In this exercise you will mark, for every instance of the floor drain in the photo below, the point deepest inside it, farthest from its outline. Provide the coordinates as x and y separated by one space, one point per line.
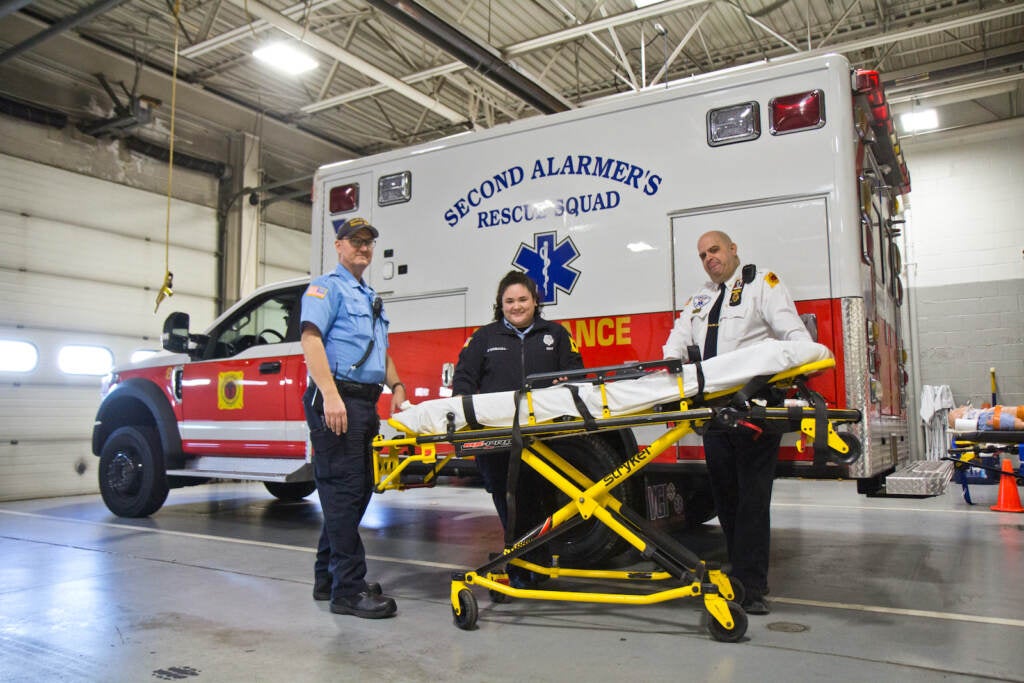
786 627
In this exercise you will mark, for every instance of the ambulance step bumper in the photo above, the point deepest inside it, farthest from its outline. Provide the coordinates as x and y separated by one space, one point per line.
921 478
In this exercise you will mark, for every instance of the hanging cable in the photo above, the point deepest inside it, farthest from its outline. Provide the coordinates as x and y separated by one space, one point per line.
167 288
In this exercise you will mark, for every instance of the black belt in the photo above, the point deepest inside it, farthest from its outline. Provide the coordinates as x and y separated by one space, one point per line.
370 392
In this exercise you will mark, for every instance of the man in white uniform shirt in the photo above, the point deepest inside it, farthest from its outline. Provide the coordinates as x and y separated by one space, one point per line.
738 306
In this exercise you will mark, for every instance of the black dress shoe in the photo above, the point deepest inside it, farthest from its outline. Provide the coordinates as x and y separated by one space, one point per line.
755 605
365 605
322 589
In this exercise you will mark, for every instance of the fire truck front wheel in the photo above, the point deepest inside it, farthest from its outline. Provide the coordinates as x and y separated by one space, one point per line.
133 481
292 490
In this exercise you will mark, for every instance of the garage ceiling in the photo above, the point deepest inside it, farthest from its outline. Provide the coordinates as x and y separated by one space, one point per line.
396 72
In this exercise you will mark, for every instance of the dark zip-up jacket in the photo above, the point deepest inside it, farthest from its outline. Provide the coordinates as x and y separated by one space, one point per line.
495 359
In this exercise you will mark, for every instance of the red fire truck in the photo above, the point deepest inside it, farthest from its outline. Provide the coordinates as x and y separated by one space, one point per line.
797 160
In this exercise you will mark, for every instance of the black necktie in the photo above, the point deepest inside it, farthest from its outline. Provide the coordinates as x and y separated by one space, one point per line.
711 337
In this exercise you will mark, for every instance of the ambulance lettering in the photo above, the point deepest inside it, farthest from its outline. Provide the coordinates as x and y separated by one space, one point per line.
563 206
485 190
612 169
616 170
589 332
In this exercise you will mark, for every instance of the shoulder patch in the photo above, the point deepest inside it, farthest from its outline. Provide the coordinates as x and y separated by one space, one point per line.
771 278
317 291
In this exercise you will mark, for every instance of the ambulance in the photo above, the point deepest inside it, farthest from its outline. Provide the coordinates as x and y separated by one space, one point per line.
798 161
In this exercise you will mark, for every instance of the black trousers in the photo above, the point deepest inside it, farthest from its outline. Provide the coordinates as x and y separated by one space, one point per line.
742 471
343 469
533 497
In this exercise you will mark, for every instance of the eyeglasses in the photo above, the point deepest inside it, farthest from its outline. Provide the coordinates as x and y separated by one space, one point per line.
359 242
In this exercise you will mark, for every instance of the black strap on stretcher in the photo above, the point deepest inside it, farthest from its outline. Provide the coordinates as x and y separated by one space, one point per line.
693 357
588 419
470 412
512 479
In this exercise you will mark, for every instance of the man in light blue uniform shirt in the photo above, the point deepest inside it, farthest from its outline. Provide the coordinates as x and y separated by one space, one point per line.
345 341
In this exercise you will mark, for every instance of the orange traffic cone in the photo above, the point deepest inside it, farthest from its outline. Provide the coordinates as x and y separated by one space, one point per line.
1009 498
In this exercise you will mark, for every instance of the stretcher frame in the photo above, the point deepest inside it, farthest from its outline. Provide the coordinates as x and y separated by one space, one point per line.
968 448
594 499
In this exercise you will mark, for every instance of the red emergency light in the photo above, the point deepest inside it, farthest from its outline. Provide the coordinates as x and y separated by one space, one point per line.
344 198
800 111
869 83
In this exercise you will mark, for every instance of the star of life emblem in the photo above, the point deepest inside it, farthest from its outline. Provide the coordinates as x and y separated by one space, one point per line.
547 262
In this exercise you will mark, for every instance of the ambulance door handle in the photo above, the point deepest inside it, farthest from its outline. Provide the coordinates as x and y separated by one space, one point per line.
271 368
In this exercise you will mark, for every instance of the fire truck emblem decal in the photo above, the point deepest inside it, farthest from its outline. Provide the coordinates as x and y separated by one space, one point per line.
230 390
547 262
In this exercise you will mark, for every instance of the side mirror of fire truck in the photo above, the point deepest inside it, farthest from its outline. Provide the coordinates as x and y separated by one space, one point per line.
176 338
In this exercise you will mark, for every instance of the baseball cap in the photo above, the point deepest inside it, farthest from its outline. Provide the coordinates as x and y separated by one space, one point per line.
352 225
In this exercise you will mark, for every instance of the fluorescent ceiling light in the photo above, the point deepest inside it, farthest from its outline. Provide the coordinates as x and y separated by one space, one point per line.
925 119
645 3
284 57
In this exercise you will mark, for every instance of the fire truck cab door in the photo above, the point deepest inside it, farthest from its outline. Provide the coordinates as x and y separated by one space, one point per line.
234 399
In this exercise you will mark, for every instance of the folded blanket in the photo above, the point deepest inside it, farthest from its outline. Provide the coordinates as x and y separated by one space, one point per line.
728 371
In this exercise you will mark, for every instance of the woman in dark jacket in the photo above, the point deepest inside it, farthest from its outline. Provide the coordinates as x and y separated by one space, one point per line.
498 357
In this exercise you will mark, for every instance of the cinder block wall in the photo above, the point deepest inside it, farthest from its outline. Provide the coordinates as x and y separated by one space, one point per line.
965 260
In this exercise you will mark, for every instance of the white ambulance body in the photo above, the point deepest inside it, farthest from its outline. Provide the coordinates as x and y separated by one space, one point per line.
797 161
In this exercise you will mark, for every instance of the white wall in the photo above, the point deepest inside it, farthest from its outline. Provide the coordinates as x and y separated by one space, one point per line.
965 259
82 226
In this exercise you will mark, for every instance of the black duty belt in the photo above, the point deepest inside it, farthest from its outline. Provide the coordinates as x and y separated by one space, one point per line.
358 390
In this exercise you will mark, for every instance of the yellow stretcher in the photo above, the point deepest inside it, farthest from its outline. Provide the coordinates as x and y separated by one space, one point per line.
679 570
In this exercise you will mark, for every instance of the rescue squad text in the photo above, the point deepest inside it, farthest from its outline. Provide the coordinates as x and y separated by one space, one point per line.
572 206
608 168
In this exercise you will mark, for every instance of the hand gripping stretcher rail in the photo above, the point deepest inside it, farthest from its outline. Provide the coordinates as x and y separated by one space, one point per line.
686 398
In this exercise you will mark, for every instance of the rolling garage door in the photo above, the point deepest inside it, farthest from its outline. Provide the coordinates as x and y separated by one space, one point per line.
81 260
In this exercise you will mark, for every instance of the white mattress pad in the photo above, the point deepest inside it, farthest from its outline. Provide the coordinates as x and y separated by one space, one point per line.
728 371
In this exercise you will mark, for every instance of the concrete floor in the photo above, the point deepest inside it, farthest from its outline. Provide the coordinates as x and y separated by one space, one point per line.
216 587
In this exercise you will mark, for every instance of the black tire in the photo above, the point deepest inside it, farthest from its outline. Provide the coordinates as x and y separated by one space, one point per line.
592 543
738 630
295 490
133 481
466 617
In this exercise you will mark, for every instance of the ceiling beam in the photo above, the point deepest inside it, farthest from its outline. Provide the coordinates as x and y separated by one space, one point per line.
299 32
478 56
202 105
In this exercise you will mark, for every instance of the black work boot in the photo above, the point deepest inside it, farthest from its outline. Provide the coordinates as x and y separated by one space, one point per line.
365 605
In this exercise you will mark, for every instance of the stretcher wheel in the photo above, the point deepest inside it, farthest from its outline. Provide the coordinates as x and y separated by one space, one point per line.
739 629
499 598
853 443
465 618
